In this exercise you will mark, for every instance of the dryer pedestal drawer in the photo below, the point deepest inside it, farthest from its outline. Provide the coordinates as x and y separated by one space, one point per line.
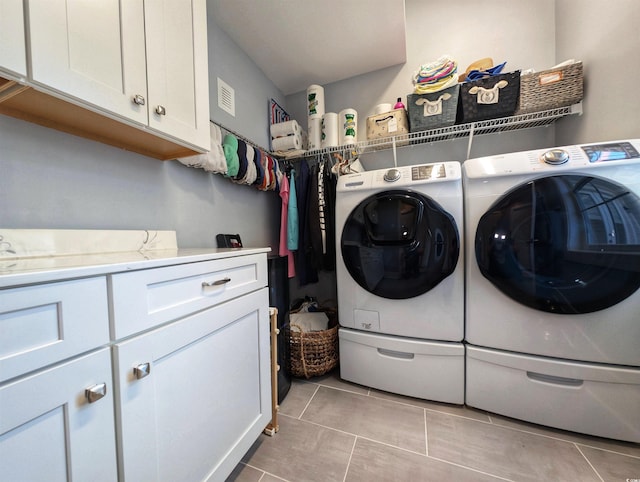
595 399
416 368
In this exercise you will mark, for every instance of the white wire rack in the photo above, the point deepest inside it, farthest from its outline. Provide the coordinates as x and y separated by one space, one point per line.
517 122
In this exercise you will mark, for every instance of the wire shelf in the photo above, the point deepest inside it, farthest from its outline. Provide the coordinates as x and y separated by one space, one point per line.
492 126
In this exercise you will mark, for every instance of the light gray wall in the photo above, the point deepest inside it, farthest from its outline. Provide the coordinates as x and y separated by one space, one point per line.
253 89
520 32
604 35
49 179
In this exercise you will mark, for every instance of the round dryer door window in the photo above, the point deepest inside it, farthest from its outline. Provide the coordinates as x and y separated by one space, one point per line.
567 244
399 244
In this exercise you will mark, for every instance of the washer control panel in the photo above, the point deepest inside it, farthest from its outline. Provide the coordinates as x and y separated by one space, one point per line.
428 171
392 175
402 176
614 151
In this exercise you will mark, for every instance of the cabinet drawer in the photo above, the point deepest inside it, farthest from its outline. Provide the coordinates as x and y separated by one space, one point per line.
44 324
148 298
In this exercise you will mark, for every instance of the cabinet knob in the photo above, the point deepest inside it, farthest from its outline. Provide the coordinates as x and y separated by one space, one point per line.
138 99
160 110
207 284
96 392
142 370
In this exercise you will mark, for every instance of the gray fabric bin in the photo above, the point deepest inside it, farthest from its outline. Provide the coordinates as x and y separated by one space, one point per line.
434 110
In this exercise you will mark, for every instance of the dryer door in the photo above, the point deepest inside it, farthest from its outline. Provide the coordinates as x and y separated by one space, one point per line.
399 244
565 244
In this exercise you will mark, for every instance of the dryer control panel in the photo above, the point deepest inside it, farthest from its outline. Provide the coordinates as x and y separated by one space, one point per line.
615 151
554 159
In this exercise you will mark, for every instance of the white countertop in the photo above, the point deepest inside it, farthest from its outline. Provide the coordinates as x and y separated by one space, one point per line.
22 271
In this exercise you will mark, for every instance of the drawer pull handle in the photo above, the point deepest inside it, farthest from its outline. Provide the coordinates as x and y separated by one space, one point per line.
96 392
541 377
220 282
142 370
396 354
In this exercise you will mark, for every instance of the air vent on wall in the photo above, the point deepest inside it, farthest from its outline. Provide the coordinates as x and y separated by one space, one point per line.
226 97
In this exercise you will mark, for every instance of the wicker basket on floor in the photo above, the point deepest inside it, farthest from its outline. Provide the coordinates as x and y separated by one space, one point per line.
313 353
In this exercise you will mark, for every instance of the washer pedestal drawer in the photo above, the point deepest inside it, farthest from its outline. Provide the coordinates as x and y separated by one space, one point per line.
595 399
429 370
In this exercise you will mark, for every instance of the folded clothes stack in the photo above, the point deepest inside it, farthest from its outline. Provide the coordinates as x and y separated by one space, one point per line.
436 76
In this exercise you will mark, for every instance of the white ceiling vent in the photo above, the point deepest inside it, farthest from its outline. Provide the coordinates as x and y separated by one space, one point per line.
226 97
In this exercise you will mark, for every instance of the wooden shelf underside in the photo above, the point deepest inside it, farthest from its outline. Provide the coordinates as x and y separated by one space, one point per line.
26 103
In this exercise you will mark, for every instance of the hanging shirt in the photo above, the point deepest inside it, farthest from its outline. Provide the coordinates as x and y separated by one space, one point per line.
283 250
292 219
305 265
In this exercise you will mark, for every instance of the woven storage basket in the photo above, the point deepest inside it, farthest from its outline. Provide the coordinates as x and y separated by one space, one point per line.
489 98
313 353
551 88
430 111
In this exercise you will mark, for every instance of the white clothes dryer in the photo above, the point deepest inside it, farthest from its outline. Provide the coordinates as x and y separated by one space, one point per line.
400 280
552 278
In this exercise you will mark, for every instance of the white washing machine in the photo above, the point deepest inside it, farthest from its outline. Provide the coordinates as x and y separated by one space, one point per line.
552 278
400 280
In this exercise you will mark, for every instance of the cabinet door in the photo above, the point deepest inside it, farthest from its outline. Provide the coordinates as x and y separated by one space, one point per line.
13 57
49 430
200 396
177 69
93 51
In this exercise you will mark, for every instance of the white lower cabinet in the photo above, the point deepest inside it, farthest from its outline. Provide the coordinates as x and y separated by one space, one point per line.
50 430
138 375
194 395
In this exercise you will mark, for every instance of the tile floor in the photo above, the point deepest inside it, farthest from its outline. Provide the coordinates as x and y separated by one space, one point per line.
332 430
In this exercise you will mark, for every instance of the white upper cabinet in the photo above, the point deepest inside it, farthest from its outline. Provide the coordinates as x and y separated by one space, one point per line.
92 51
145 62
177 69
13 56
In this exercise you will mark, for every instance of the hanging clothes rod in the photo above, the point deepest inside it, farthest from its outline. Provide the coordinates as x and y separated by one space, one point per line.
241 137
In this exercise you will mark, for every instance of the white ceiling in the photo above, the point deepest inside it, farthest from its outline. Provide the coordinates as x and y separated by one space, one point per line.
297 43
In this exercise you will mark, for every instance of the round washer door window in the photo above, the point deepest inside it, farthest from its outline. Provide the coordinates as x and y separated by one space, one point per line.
399 244
566 244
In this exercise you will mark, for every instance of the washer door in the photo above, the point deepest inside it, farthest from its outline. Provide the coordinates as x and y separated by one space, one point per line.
566 244
399 244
